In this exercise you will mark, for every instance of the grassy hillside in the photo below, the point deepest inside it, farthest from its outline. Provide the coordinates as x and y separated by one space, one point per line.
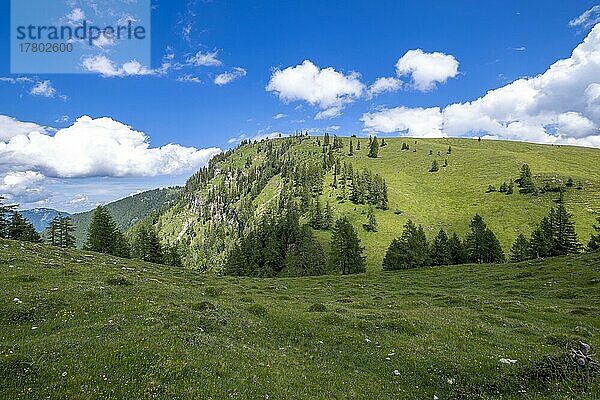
80 325
446 199
127 211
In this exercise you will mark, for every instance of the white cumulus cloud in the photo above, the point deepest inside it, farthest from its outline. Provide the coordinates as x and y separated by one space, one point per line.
427 69
385 85
10 127
97 147
422 122
561 105
22 186
326 88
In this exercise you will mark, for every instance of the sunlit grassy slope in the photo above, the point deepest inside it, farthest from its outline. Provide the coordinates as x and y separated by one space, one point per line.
446 199
84 326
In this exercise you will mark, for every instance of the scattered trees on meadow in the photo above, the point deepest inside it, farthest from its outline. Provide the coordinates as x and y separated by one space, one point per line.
13 226
61 232
104 236
554 236
346 252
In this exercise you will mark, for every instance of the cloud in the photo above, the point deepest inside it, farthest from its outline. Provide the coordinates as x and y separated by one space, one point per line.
76 15
107 68
384 85
561 105
522 48
258 137
97 147
422 122
326 88
43 88
22 187
189 79
205 59
230 76
588 19
279 116
10 127
427 69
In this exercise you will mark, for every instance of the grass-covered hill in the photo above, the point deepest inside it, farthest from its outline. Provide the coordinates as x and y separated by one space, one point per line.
241 184
81 325
127 211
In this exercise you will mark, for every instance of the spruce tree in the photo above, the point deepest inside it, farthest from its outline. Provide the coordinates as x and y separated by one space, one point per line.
373 148
327 217
458 253
20 229
434 166
316 215
564 235
411 250
520 250
306 258
440 249
482 244
351 152
371 225
594 243
346 251
5 211
526 183
104 236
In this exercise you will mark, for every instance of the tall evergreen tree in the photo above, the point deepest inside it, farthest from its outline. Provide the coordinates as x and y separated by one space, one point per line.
373 148
458 253
327 216
371 225
520 250
594 243
351 152
306 258
525 181
20 229
482 244
5 211
104 236
440 249
316 215
564 238
346 252
434 166
411 250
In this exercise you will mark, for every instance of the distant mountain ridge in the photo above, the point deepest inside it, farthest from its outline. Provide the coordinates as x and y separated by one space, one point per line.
41 218
127 211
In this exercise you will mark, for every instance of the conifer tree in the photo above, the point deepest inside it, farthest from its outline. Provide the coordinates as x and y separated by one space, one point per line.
357 145
104 236
5 211
434 166
458 253
307 257
383 143
371 225
594 243
564 237
526 183
316 215
327 216
373 148
20 229
346 251
351 152
411 250
440 249
520 250
482 244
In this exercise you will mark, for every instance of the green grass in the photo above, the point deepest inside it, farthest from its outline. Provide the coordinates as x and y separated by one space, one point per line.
447 199
112 328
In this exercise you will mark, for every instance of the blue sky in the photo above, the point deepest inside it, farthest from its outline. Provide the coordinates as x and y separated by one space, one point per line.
226 70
